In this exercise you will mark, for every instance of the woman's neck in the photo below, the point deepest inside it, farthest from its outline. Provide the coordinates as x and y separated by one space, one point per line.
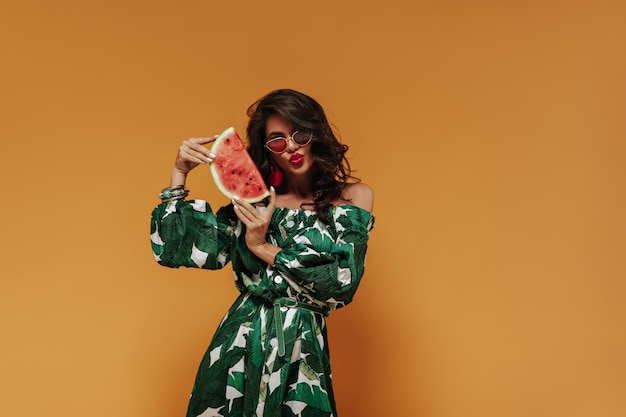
298 188
296 193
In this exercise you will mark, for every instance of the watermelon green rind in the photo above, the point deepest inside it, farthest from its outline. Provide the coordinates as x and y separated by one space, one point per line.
233 170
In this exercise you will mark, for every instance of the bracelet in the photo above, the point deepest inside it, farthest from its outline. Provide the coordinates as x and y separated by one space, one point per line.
177 192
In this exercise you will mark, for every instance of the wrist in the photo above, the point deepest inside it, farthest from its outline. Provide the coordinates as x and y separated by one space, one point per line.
265 251
173 193
178 177
256 247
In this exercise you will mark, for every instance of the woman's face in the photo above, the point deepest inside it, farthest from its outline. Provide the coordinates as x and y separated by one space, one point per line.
296 159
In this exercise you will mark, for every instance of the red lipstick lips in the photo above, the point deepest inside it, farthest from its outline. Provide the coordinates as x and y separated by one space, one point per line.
296 159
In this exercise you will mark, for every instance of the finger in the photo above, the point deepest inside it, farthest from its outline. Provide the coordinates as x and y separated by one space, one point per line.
239 214
242 211
192 143
198 144
204 141
245 218
191 148
186 154
247 207
272 203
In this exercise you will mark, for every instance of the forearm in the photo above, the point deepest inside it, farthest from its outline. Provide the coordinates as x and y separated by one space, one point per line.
178 178
265 251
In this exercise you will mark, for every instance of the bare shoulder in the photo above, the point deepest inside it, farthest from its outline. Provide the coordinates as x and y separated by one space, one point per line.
360 195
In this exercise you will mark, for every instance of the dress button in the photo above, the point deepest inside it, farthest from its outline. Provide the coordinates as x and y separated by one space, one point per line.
278 279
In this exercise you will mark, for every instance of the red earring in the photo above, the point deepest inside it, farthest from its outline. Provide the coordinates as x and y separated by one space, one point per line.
275 178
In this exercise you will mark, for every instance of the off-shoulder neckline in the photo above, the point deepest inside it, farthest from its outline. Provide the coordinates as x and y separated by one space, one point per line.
351 206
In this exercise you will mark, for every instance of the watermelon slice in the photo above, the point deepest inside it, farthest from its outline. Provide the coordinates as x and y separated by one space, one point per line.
234 172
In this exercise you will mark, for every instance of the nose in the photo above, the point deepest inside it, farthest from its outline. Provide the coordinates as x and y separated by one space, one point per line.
292 145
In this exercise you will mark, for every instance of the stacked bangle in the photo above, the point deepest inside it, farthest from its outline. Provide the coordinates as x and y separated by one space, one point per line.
177 192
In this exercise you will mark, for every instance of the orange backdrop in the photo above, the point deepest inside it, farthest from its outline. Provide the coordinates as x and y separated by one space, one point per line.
492 133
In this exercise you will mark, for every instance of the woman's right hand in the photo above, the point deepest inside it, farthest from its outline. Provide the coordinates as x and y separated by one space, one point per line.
191 153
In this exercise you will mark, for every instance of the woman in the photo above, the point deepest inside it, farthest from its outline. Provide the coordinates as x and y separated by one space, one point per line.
294 260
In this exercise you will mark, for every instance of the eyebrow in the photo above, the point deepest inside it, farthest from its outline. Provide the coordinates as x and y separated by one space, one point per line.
275 134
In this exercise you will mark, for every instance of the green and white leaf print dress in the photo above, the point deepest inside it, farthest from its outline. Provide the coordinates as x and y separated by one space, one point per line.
269 355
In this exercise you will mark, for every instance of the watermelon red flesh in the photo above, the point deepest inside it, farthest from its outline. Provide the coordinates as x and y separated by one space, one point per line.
234 172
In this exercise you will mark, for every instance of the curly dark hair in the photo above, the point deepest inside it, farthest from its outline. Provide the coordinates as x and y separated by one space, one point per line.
305 114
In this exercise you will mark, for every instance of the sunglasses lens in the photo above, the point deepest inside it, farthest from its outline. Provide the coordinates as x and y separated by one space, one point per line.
277 145
301 138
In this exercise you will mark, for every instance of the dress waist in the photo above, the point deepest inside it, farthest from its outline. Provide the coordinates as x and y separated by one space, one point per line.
278 317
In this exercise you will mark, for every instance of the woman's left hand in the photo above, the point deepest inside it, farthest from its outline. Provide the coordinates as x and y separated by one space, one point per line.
257 223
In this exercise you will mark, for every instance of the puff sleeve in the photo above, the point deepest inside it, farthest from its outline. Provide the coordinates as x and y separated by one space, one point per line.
188 234
328 263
